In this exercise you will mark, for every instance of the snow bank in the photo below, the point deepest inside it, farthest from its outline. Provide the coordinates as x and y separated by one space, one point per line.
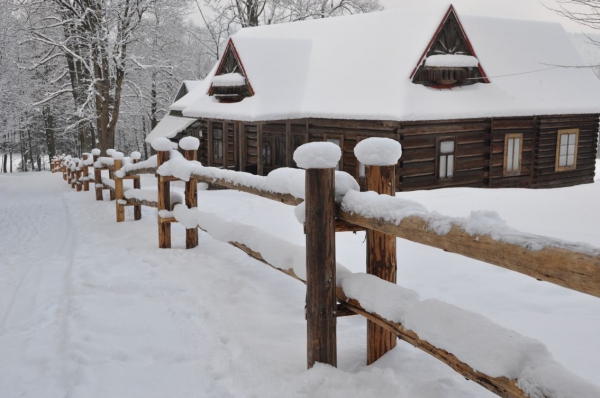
378 151
318 155
395 209
229 80
150 163
189 143
452 61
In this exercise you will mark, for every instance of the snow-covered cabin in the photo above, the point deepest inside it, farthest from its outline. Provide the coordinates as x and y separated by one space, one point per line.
474 101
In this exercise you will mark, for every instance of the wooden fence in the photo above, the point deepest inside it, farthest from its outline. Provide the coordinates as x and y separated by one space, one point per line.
564 266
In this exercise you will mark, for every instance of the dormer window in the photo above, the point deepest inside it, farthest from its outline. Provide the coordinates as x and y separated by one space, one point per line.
450 59
448 70
230 87
230 83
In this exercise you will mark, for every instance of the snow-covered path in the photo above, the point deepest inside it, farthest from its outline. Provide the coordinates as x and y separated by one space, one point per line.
91 308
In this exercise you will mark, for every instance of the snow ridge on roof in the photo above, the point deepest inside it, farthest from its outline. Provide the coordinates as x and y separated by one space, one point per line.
359 67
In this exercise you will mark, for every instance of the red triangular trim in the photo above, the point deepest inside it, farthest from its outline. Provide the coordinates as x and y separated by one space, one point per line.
450 11
239 60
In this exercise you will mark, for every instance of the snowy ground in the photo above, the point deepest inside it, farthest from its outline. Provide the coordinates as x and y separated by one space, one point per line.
91 308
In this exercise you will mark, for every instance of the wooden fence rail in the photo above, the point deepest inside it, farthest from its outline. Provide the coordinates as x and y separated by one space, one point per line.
565 265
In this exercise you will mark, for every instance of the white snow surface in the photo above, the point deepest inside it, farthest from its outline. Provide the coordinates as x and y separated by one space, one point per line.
161 144
189 143
452 60
104 161
93 308
96 151
149 163
228 80
151 195
282 180
290 69
378 151
317 155
135 155
169 126
479 222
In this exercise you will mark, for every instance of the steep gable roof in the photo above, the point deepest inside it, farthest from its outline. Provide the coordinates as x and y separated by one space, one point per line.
360 67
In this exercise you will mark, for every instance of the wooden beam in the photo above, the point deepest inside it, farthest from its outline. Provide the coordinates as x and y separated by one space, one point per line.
561 266
381 259
320 267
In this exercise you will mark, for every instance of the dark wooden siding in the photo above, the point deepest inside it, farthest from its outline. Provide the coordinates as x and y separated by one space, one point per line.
545 175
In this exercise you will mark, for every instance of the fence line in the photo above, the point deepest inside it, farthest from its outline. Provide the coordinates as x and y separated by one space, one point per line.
565 266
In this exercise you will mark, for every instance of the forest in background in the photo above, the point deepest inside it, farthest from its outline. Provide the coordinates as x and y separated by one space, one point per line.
78 74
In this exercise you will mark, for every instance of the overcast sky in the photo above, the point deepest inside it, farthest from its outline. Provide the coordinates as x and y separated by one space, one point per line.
519 9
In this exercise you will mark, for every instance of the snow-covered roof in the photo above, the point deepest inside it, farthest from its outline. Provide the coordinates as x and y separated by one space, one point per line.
360 67
169 127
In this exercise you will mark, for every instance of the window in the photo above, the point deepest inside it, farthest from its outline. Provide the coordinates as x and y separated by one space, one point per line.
266 154
566 149
446 158
218 144
513 147
361 170
337 142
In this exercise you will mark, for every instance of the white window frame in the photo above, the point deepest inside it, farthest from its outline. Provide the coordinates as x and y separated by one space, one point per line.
513 154
567 144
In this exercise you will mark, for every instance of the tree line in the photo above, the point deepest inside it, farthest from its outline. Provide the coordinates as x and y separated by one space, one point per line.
78 74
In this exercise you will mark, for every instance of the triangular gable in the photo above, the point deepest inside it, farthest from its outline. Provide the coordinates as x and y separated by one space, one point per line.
231 63
450 38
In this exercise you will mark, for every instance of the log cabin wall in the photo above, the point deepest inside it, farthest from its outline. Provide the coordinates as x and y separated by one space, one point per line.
545 175
478 157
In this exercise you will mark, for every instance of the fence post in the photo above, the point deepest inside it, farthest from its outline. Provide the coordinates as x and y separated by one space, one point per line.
86 172
190 146
119 194
320 258
164 203
111 175
64 170
380 156
97 180
137 209
78 183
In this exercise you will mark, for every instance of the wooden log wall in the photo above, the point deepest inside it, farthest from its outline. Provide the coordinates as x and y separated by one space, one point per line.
479 148
545 175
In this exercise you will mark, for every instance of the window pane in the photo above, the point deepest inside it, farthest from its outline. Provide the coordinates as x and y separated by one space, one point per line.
217 133
562 160
563 150
571 149
509 154
361 170
450 165
572 137
446 146
443 160
570 160
564 139
517 152
336 141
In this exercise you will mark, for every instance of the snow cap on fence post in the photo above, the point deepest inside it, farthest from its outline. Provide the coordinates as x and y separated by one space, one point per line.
161 144
378 151
117 155
110 151
95 152
318 155
135 155
189 143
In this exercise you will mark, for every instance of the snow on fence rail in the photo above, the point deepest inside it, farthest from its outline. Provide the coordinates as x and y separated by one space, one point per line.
498 359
